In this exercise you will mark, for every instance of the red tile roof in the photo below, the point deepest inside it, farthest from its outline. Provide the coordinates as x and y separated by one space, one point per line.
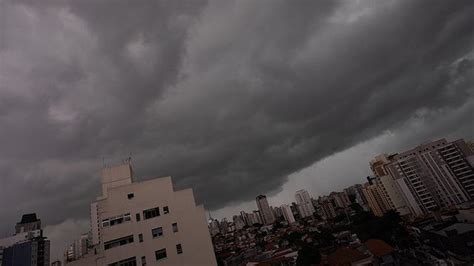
345 256
378 247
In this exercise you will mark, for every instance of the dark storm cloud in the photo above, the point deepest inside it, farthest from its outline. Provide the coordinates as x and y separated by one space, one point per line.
227 97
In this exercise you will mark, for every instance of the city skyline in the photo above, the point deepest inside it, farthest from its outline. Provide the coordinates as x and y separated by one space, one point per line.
419 200
121 175
379 202
232 99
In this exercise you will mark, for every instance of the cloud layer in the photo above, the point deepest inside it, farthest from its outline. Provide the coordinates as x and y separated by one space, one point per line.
229 98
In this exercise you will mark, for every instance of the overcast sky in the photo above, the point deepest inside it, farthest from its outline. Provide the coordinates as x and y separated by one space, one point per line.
231 98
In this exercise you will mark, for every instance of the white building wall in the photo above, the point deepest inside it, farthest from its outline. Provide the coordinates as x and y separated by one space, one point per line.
394 193
303 200
414 206
94 224
193 234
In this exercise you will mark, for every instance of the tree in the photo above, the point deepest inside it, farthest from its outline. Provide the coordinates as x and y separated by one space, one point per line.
356 207
388 228
308 255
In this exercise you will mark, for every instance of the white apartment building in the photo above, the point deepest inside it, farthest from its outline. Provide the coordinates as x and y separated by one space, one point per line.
146 223
395 192
77 249
288 214
305 205
430 176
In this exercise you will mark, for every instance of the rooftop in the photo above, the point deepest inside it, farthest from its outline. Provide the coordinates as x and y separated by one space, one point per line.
378 247
460 228
345 256
28 218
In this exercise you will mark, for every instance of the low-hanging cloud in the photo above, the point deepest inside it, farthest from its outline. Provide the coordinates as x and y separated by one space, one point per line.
229 98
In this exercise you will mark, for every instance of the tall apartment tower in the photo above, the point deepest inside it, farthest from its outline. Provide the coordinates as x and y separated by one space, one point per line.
391 188
78 248
430 176
305 205
288 214
27 247
376 200
327 208
146 223
264 209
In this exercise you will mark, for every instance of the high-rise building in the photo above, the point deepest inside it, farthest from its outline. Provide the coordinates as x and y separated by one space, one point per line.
428 177
238 222
147 222
356 195
305 205
376 200
327 208
277 213
27 246
296 211
244 216
78 248
254 218
340 199
28 223
288 214
264 209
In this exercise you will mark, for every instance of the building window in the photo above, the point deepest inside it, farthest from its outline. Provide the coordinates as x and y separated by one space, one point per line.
105 222
160 254
126 262
179 249
130 196
150 213
137 217
175 227
118 242
166 210
140 238
116 220
156 232
143 261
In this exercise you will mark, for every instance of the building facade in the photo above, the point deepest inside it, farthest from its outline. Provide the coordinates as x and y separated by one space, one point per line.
426 178
305 205
376 200
265 211
28 246
327 208
288 214
146 223
78 248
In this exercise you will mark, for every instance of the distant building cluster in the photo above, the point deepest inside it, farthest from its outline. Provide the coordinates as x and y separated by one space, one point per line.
430 181
416 208
429 177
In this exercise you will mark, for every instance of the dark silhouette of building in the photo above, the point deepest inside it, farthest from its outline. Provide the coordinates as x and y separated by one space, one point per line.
28 247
